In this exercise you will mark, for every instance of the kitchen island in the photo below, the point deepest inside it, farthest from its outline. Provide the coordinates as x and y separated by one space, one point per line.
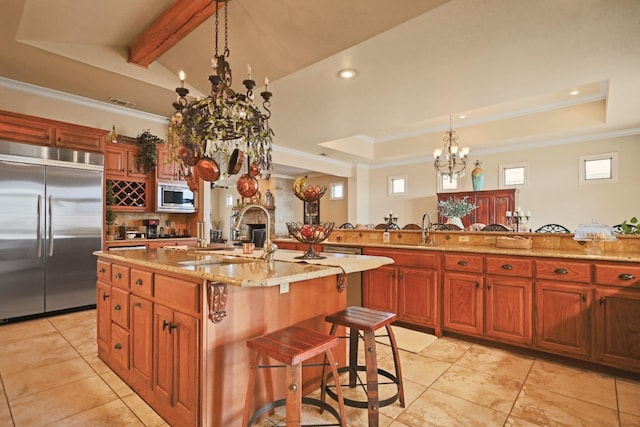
173 324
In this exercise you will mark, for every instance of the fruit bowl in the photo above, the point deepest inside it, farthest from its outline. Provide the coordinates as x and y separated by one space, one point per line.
310 193
311 234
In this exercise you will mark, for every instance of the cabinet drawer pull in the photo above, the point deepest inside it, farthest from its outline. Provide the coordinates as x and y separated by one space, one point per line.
105 296
118 346
117 307
488 285
601 300
139 282
119 276
625 276
462 263
137 304
507 267
102 270
560 271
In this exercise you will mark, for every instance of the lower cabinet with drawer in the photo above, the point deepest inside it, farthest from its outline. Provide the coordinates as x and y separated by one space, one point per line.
149 334
617 315
409 287
563 298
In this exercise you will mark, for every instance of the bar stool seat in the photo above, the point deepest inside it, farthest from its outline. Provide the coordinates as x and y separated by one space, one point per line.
368 321
292 346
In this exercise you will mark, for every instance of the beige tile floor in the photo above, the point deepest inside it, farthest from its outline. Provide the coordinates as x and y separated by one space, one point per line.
50 375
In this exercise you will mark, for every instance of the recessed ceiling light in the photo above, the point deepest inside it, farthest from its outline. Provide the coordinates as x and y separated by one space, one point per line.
347 73
574 92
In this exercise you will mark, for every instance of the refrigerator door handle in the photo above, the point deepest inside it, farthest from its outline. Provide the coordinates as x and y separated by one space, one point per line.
50 225
38 226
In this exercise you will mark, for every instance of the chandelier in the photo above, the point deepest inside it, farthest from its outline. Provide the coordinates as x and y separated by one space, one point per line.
216 127
451 159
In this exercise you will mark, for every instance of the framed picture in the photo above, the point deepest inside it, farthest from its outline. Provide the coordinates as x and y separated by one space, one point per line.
311 212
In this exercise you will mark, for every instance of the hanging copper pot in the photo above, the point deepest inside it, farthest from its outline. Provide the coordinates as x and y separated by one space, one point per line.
208 169
254 170
235 162
247 185
189 154
192 179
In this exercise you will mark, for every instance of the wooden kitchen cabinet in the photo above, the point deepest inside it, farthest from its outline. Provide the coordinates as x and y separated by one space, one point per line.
165 170
175 372
120 162
39 131
492 205
508 309
409 287
617 315
462 296
141 339
562 299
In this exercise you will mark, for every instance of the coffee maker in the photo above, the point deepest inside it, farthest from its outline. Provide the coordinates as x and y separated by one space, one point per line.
152 228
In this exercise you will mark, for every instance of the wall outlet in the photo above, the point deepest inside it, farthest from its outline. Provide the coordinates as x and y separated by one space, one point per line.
463 238
385 237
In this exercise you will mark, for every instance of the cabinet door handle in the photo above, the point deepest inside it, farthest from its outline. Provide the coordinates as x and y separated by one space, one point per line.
488 285
118 346
117 307
139 282
393 275
172 327
102 270
625 276
584 298
507 267
560 271
601 300
401 276
105 296
137 304
462 263
119 276
165 324
477 285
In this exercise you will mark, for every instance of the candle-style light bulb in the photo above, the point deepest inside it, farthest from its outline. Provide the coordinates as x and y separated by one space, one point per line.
266 84
249 71
437 152
182 77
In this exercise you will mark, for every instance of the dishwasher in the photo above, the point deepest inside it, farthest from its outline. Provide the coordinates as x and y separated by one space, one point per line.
354 280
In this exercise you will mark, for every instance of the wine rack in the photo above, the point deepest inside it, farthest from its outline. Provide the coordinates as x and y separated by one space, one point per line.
129 194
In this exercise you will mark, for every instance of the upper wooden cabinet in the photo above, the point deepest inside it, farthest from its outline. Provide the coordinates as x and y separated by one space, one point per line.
120 162
39 131
492 205
166 171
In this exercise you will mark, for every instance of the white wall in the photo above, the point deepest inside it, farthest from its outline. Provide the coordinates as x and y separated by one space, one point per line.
554 194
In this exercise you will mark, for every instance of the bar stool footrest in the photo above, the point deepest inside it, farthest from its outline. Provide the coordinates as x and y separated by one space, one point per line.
360 403
305 401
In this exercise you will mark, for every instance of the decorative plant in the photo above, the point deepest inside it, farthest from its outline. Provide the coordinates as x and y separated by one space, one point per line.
148 152
630 227
456 208
110 218
110 197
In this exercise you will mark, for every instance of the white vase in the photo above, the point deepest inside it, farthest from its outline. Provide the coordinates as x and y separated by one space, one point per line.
455 221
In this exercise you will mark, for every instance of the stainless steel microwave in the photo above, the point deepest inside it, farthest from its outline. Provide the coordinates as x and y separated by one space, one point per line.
175 198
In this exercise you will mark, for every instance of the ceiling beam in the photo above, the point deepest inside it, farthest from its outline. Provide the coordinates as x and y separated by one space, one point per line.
178 20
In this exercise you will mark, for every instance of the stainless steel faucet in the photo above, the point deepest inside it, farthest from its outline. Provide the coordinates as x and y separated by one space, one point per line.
425 230
269 247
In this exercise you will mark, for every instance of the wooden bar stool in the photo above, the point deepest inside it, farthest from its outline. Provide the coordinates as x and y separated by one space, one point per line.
292 346
368 321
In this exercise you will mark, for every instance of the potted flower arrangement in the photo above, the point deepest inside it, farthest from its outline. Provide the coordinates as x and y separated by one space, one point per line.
455 209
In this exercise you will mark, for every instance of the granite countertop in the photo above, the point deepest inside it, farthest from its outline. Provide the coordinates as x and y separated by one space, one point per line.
235 268
580 254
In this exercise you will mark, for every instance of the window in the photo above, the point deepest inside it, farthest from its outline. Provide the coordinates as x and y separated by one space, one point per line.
337 191
229 200
397 185
599 168
514 175
446 184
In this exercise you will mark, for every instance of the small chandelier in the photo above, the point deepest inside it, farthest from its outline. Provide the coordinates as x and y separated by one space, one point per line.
225 121
451 159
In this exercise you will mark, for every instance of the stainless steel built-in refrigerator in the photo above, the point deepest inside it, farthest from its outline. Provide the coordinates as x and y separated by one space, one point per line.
50 223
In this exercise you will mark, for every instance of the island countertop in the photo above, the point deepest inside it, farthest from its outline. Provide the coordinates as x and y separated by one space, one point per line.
247 270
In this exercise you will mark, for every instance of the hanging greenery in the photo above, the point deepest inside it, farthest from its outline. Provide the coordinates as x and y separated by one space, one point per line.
148 152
